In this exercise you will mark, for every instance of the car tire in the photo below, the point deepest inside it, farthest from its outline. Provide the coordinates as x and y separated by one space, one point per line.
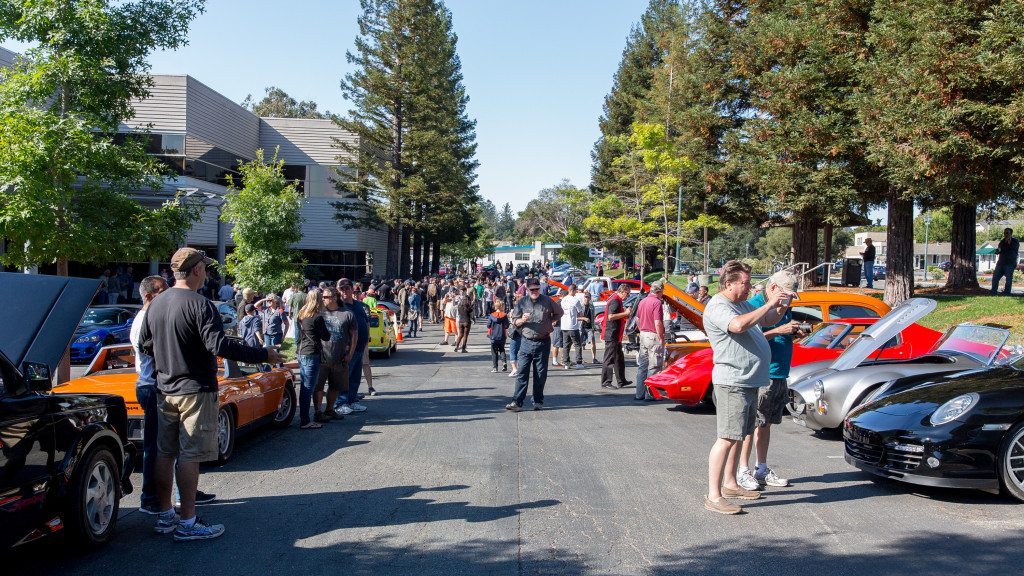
709 397
387 353
108 341
286 410
226 432
94 498
1011 456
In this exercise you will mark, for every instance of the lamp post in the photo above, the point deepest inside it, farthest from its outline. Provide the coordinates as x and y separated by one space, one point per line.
927 222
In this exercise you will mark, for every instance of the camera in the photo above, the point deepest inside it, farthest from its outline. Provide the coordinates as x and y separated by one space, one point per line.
804 327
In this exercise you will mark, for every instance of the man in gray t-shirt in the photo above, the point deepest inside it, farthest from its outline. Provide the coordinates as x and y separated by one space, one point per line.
741 360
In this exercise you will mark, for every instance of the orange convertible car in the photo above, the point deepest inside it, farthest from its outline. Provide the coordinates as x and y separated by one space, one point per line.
250 396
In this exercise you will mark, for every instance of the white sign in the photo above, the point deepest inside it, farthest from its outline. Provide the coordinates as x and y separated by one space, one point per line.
596 253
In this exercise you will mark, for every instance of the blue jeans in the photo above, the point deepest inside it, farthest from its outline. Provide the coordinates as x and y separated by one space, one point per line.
355 375
535 353
869 272
997 274
309 371
272 339
146 396
513 347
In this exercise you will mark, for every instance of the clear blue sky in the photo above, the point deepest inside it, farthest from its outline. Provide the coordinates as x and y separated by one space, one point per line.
536 73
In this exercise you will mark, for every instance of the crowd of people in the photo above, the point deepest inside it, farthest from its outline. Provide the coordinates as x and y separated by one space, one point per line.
530 329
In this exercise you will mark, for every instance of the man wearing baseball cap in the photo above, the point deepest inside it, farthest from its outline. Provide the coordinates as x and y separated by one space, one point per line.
184 334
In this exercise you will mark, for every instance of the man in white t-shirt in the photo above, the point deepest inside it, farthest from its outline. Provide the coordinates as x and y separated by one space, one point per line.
572 309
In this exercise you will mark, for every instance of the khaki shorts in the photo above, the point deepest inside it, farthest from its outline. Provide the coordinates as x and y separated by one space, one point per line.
335 375
771 403
187 426
737 409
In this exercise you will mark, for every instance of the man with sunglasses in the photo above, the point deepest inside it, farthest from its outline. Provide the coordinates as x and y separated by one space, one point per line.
535 317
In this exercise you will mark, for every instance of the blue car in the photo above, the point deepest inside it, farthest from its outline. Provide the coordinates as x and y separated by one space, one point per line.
102 326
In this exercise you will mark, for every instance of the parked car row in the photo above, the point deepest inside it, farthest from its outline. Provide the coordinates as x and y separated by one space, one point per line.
67 451
914 405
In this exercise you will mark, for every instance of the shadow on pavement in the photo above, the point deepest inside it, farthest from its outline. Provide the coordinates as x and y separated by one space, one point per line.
262 532
932 553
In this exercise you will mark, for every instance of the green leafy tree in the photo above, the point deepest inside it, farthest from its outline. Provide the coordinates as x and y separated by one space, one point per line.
413 167
67 183
267 223
644 52
944 108
802 149
278 104
940 229
644 207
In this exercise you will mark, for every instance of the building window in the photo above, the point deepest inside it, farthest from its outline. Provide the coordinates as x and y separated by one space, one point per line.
522 257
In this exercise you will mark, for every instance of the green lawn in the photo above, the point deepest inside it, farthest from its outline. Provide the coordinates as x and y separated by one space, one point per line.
953 310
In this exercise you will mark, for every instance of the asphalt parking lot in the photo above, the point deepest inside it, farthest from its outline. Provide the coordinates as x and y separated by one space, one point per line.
437 478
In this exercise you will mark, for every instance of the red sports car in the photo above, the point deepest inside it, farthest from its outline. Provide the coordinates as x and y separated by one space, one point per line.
688 380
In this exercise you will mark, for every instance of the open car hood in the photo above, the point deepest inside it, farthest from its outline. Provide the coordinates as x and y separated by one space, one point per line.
882 331
682 303
40 328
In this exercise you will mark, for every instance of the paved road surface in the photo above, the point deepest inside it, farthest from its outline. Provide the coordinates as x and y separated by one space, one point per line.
437 478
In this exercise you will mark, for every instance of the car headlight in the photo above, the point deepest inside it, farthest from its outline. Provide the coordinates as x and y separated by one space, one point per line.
954 408
87 339
819 389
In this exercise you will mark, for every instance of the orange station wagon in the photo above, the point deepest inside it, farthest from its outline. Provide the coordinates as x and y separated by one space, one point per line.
251 396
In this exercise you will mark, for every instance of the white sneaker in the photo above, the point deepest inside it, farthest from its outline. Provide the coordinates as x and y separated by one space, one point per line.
555 362
345 410
580 366
356 407
771 479
746 480
513 373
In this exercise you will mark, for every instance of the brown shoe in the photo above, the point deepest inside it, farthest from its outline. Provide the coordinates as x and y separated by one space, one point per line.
722 506
740 493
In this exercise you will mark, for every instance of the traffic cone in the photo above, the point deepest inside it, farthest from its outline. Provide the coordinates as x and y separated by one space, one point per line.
398 333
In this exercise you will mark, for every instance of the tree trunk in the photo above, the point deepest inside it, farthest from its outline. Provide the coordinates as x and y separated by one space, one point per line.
805 246
394 249
826 236
435 262
425 272
417 256
962 271
899 246
403 266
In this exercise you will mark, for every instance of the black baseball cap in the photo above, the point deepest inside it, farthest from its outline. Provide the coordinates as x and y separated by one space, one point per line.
344 283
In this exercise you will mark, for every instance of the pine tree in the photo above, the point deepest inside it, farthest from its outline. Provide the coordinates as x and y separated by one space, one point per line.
416 144
644 52
801 148
944 109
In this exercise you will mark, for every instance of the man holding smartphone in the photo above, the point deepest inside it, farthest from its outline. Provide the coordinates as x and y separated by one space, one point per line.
741 358
771 399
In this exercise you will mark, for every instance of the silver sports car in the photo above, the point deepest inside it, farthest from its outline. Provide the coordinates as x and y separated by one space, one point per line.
822 394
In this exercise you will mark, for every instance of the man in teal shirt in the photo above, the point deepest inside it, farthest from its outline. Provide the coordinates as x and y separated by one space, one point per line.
771 401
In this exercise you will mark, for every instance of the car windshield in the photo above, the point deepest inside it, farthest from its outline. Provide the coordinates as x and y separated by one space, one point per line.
100 317
981 342
833 335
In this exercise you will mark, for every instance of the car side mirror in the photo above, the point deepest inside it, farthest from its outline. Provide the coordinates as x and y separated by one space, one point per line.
37 377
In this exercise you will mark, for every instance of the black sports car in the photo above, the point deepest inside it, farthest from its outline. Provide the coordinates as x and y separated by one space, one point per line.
964 430
65 459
